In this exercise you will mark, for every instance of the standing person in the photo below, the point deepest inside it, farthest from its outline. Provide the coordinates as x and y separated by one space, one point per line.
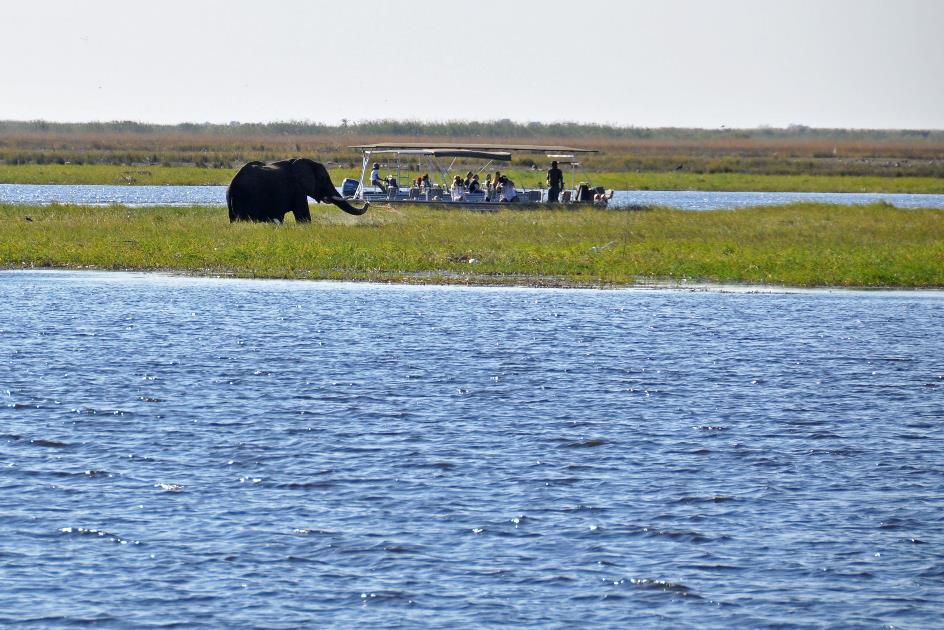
555 182
375 178
489 187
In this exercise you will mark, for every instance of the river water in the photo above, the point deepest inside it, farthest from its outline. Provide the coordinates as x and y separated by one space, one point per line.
216 195
236 453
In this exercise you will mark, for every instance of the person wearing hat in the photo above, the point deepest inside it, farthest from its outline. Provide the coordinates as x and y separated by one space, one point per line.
555 181
375 178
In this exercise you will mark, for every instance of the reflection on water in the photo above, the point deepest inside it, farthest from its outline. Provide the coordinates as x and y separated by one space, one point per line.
259 453
216 195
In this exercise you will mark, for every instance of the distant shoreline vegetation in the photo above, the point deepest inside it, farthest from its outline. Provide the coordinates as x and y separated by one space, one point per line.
503 128
795 150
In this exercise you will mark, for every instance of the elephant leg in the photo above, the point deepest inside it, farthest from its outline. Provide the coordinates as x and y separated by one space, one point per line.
300 209
302 215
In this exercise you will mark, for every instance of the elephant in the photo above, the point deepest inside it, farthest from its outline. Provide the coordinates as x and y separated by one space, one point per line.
265 192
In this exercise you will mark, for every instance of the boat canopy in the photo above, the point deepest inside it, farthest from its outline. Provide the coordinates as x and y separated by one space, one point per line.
502 156
529 148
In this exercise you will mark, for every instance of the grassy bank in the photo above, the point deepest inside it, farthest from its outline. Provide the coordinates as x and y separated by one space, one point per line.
798 245
676 180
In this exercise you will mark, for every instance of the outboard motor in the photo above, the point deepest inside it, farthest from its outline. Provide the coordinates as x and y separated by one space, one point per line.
349 187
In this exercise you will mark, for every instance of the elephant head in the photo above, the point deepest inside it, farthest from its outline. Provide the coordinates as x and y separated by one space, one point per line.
313 178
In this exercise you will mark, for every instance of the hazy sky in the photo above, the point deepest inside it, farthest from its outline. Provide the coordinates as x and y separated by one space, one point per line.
737 63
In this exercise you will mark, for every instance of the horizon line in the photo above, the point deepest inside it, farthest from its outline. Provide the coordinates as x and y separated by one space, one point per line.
504 121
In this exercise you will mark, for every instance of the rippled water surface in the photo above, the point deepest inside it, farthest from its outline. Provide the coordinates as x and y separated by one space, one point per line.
282 454
216 195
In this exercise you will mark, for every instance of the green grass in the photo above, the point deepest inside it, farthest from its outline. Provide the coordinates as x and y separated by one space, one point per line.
193 175
797 245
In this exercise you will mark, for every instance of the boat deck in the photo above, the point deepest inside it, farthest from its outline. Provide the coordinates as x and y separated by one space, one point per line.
439 195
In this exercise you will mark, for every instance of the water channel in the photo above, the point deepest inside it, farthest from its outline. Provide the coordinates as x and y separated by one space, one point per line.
216 195
236 453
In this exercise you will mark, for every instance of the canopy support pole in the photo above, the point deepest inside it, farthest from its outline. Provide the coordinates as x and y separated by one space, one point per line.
443 173
359 193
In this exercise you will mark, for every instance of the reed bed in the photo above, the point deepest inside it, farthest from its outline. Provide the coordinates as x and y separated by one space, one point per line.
805 245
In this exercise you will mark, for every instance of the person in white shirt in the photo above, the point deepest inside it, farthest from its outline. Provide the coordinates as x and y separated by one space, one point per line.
458 189
375 178
508 192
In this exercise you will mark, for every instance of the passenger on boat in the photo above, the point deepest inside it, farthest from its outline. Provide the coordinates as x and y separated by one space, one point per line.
426 181
555 181
458 189
584 192
508 192
489 187
375 178
468 179
473 185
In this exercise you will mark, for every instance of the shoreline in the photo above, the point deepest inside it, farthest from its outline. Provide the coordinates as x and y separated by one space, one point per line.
473 281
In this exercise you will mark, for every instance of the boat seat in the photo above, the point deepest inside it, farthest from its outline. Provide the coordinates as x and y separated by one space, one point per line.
475 197
566 195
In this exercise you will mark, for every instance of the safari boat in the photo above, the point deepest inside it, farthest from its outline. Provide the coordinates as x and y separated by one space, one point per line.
440 161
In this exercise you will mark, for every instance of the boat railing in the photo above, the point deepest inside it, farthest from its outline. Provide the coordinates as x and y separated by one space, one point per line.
436 194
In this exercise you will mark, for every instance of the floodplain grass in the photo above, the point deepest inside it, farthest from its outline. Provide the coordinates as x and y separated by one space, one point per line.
796 150
803 245
746 182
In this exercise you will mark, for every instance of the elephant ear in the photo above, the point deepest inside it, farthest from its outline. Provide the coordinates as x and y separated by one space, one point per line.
303 170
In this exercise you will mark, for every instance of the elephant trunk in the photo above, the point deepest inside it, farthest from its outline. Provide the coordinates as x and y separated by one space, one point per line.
345 205
326 192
